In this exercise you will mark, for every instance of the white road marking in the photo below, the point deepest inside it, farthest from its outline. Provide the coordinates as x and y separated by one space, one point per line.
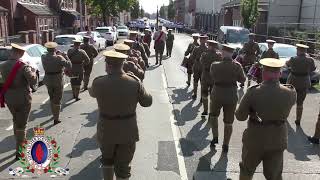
176 136
9 128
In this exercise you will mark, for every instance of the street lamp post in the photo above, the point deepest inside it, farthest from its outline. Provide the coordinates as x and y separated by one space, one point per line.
268 18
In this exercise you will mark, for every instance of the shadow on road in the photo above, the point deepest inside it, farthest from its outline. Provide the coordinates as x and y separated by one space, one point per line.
195 140
92 118
298 144
92 171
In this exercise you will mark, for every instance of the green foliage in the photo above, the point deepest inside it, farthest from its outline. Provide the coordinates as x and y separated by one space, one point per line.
135 10
162 12
141 12
171 10
249 12
106 8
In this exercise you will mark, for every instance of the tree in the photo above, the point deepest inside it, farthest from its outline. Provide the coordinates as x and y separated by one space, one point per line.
249 12
162 12
171 10
107 8
135 10
141 12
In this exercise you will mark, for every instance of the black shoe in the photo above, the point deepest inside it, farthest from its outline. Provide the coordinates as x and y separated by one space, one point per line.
17 156
214 142
194 97
297 123
85 88
156 62
225 148
205 113
188 83
56 122
77 99
313 140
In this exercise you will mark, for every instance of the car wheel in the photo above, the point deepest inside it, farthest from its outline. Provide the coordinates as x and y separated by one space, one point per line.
35 87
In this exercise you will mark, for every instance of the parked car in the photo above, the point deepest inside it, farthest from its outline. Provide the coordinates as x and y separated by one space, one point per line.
32 56
65 42
99 41
108 33
233 36
123 31
285 52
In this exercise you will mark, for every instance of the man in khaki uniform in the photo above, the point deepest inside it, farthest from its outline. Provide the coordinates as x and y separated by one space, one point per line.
148 37
251 50
315 138
301 66
159 38
92 53
135 53
268 106
225 74
206 60
79 59
169 42
129 66
117 129
196 68
269 53
18 95
54 66
145 45
187 61
136 45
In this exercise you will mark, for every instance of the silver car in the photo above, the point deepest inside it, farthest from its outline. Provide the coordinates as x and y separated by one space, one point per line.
286 51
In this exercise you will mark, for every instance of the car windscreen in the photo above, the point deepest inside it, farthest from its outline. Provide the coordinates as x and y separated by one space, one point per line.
103 30
286 52
4 54
64 40
122 27
237 36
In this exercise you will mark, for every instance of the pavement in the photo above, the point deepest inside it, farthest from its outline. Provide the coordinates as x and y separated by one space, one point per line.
174 138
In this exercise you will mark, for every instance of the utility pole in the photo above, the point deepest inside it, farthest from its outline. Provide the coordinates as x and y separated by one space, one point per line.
81 23
314 16
157 18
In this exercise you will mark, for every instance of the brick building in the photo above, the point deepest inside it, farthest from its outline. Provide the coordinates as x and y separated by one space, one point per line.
26 15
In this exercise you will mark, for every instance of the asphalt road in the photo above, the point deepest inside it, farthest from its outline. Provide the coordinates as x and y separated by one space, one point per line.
174 139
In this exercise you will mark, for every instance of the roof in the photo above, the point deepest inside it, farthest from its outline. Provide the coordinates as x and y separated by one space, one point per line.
237 3
72 12
3 9
39 10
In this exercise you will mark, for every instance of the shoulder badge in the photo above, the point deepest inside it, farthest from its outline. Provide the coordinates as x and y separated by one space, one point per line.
289 86
133 76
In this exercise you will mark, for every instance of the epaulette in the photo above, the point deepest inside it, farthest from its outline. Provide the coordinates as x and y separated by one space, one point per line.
133 76
254 86
290 86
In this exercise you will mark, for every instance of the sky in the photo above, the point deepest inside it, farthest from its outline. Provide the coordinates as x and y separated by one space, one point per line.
150 6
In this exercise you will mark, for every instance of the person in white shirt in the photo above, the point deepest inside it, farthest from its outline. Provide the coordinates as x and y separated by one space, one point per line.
159 38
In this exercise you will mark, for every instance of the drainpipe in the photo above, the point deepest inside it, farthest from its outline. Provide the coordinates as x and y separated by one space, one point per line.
300 11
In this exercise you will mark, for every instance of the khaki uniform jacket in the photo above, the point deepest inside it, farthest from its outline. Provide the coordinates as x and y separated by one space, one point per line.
225 75
270 101
195 57
53 63
251 50
19 93
90 50
206 60
301 67
146 48
139 47
169 40
148 39
130 66
270 53
79 59
118 94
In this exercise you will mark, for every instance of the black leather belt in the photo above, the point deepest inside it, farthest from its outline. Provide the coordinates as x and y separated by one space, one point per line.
299 74
267 123
117 117
53 73
225 84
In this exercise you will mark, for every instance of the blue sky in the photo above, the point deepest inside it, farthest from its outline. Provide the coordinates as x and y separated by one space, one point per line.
150 6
